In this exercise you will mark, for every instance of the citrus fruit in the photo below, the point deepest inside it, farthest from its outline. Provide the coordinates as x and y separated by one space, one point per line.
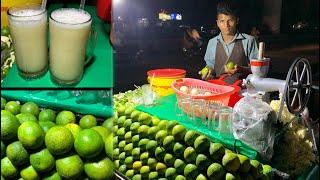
202 161
88 121
102 169
162 124
169 159
190 137
180 177
69 167
128 149
171 173
151 146
191 171
128 161
74 129
108 146
9 126
178 132
168 143
144 157
137 177
201 177
202 144
190 154
104 133
121 132
256 169
178 149
216 151
153 175
161 168
159 153
134 127
135 140
122 169
23 117
244 163
160 136
128 137
13 107
231 162
230 65
47 115
155 121
46 125
127 123
130 173
31 135
108 124
86 137
65 117
116 153
8 170
59 140
29 173
215 171
3 103
144 171
136 166
143 131
30 107
135 153
17 154
42 161
134 115
152 162
122 144
143 144
152 131
179 165
170 126
52 176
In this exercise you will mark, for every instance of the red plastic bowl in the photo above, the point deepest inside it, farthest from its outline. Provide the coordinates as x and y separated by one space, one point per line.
167 73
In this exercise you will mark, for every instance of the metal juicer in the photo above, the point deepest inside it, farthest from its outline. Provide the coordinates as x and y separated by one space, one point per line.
295 90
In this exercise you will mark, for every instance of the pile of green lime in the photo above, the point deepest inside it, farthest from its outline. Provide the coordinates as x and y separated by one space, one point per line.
146 147
41 143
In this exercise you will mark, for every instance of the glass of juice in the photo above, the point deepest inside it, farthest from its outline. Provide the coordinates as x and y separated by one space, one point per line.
28 28
70 29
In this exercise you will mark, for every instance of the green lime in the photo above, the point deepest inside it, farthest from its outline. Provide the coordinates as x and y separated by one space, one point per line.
70 167
230 65
102 169
3 103
8 170
9 126
29 173
23 117
108 146
191 171
17 154
52 176
85 137
13 107
104 133
42 161
47 115
46 125
65 117
59 140
31 135
108 124
88 121
30 107
74 129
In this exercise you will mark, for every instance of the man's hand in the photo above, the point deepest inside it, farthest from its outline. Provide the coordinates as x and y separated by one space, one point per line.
231 71
206 73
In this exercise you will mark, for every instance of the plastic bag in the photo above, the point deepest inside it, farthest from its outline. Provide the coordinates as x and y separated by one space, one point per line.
252 124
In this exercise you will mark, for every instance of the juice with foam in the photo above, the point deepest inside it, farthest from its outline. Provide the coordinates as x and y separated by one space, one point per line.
28 28
69 32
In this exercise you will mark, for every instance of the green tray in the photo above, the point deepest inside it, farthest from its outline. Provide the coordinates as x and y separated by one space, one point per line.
98 75
87 102
165 109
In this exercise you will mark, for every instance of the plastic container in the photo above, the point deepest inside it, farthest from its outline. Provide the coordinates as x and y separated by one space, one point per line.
6 4
161 79
218 94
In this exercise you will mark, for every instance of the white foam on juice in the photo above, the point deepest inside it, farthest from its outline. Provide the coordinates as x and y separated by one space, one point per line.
70 16
27 16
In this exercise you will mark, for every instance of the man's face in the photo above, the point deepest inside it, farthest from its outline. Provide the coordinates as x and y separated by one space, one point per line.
227 24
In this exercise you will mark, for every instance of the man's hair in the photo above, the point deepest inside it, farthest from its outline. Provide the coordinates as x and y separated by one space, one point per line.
227 7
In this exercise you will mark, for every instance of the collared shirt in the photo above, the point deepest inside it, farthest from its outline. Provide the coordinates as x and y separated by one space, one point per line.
249 44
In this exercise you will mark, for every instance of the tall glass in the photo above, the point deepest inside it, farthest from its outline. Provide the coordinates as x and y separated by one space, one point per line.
28 28
69 32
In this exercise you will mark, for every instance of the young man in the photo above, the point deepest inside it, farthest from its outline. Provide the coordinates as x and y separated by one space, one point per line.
229 45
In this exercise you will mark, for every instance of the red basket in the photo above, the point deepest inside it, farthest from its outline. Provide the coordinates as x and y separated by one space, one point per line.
220 94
